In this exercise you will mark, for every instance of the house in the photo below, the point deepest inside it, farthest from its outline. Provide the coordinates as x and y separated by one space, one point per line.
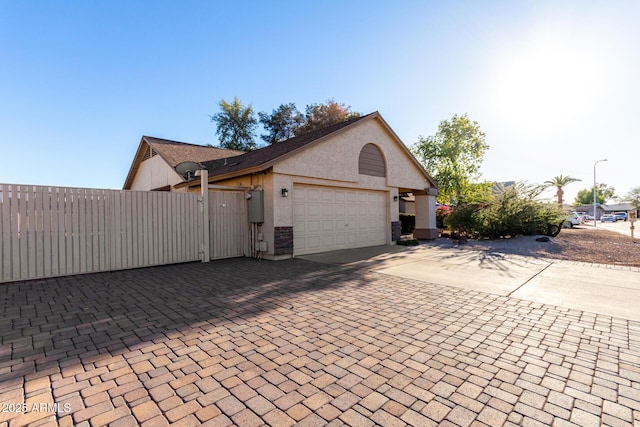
606 209
619 207
500 187
333 188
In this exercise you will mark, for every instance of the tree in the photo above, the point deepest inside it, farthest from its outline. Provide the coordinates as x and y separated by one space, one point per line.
633 197
560 182
603 193
235 125
281 124
453 157
318 116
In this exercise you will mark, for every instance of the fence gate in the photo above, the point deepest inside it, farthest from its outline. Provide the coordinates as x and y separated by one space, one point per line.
227 224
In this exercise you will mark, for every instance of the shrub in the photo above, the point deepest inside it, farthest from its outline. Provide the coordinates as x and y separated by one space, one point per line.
462 219
442 212
515 211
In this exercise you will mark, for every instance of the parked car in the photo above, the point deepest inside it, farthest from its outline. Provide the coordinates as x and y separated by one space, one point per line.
620 216
608 218
573 219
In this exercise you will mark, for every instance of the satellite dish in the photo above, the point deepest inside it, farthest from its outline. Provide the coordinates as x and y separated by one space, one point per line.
188 169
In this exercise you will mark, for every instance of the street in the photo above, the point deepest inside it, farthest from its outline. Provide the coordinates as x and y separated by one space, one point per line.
622 227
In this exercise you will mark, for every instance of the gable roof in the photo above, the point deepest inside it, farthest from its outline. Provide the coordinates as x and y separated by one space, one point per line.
174 153
264 158
618 207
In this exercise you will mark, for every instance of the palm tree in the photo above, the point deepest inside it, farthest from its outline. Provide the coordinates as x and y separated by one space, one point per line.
559 182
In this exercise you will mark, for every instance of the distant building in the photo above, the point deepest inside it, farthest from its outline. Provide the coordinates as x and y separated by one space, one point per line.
499 187
606 208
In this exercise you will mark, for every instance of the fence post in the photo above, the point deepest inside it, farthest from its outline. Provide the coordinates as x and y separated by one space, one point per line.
204 190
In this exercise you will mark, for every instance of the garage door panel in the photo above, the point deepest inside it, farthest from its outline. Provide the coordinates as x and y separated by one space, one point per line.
327 218
327 240
314 210
352 239
300 225
312 195
314 242
299 210
313 226
328 225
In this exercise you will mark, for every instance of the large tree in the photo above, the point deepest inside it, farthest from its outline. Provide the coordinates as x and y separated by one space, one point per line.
318 116
281 124
603 193
560 182
453 157
235 125
633 197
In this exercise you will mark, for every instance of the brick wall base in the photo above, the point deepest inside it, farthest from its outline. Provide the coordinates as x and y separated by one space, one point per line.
396 231
283 241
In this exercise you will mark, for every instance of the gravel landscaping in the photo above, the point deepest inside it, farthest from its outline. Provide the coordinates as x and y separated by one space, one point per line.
582 244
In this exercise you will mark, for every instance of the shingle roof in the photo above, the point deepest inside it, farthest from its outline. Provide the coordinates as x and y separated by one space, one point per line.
271 152
174 152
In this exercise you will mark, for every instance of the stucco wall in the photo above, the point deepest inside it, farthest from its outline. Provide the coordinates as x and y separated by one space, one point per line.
154 173
339 158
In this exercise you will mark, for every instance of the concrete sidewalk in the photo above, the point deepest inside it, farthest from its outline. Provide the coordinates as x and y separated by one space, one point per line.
597 288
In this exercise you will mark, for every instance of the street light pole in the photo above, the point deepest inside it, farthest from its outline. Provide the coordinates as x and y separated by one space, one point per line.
594 190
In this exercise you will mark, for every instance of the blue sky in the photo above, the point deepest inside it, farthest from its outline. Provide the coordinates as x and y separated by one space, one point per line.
553 84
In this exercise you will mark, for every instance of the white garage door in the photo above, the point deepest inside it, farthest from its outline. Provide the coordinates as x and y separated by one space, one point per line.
326 219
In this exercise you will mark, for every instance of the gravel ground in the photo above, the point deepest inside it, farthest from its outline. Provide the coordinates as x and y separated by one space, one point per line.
578 244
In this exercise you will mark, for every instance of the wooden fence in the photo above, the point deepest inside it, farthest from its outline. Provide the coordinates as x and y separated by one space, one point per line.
55 231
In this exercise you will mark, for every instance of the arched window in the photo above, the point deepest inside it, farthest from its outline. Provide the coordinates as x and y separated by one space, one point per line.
371 161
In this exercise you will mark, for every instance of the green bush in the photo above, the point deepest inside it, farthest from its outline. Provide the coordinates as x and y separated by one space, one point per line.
515 211
462 219
442 212
407 223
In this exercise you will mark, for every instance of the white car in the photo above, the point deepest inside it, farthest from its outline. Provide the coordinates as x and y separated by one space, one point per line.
573 219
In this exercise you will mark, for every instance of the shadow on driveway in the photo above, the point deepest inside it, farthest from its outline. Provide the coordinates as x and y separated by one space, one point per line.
47 322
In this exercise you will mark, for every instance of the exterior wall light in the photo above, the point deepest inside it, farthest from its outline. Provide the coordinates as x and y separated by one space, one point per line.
284 192
395 198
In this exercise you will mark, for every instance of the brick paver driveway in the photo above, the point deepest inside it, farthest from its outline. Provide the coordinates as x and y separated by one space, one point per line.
249 343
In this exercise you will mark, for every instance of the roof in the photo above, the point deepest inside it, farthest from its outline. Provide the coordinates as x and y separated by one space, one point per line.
618 207
263 157
224 164
606 208
174 153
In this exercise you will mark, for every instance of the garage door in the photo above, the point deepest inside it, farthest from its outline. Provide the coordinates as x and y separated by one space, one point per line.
326 219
